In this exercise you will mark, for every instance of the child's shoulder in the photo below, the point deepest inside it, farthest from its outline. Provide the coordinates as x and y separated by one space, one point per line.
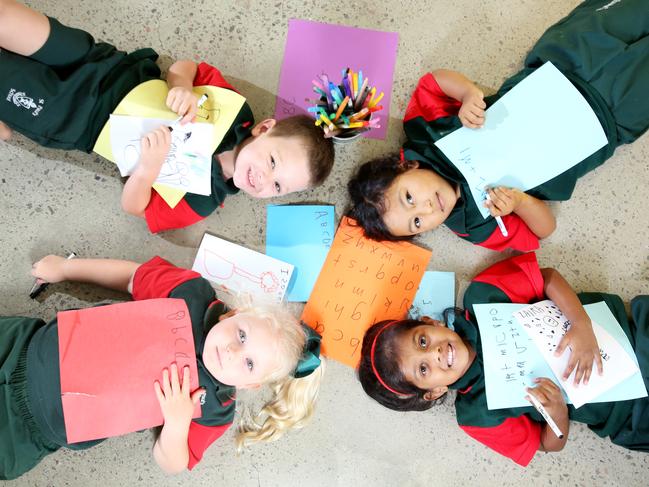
206 74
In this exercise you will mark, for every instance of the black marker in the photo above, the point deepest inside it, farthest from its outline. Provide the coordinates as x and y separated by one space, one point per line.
40 285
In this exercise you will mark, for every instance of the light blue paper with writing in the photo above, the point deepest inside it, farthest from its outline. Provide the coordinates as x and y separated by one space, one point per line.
300 235
512 361
523 142
436 293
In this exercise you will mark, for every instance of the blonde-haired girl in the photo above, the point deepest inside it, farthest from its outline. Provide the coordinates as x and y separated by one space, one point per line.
235 349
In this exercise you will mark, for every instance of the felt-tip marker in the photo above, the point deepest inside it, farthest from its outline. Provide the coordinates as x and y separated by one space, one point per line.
40 285
201 100
499 221
548 419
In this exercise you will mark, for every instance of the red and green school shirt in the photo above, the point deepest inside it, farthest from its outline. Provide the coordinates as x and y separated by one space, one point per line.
194 207
604 52
156 278
516 432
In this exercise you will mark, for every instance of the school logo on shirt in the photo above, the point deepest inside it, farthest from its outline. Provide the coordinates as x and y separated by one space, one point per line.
20 99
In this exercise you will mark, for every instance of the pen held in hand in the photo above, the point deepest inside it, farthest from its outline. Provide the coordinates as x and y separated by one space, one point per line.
499 220
40 285
548 419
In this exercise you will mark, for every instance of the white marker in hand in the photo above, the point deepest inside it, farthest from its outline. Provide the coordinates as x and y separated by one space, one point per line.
499 220
548 419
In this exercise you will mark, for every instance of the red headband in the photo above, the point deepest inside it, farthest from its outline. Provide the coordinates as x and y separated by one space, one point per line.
376 372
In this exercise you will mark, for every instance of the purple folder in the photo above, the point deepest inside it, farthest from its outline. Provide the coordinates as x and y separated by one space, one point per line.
313 48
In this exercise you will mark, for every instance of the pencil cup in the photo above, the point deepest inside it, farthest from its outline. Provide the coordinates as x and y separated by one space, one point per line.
348 137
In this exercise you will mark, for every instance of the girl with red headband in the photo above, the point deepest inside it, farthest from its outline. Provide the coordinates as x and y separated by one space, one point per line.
409 365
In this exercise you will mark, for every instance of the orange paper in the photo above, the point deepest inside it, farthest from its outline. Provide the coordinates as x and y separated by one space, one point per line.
362 282
109 358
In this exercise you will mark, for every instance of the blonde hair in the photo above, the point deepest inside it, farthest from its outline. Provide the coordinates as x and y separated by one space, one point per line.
293 400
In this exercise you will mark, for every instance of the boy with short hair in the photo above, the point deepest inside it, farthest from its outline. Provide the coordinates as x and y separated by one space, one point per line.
59 88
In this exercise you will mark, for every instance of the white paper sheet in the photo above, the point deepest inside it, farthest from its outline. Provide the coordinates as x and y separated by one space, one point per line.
188 165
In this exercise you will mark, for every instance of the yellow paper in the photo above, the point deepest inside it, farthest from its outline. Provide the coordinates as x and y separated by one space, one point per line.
148 100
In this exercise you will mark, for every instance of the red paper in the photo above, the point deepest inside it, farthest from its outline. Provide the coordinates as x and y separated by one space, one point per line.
110 357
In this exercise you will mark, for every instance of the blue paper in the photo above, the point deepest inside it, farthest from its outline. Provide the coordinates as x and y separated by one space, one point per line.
435 294
539 129
512 361
300 235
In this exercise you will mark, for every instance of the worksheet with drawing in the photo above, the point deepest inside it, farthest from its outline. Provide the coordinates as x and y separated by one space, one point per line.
539 129
512 360
188 165
241 270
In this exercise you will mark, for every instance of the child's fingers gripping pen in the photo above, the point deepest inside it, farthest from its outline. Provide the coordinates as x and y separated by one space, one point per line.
40 285
548 419
499 220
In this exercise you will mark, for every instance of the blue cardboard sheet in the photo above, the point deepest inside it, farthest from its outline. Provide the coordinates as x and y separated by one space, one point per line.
539 129
300 235
435 294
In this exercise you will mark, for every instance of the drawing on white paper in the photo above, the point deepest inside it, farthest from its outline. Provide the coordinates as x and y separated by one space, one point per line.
223 269
241 270
188 164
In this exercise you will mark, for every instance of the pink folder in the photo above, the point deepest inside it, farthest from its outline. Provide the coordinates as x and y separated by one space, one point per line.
110 357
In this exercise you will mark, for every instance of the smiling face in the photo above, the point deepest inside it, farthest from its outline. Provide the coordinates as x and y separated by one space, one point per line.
432 357
241 350
268 166
417 201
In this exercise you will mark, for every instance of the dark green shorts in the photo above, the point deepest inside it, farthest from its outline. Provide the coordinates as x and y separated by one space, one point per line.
21 444
63 94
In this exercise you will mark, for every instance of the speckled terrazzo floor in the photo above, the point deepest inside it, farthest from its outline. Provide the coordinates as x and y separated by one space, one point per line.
53 201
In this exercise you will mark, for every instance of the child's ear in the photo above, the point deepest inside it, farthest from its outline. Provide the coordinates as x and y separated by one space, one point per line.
263 127
227 315
435 393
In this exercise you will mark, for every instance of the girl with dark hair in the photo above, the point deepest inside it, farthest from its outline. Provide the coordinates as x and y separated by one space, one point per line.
602 47
410 365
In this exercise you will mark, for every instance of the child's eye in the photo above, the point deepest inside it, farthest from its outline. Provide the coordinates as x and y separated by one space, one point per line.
278 188
242 336
272 162
250 364
422 341
423 370
409 198
417 222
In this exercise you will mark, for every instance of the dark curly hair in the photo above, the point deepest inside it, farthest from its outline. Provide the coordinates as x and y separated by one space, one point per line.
388 367
367 192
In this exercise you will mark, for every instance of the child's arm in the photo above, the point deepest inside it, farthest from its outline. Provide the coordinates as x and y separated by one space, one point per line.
580 337
22 30
109 273
549 395
459 87
171 450
137 190
534 212
181 98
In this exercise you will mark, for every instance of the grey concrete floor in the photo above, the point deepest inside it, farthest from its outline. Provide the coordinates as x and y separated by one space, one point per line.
52 201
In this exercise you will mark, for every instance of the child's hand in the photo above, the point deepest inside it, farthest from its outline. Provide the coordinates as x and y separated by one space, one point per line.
176 403
472 110
584 351
184 102
503 201
550 397
155 147
49 268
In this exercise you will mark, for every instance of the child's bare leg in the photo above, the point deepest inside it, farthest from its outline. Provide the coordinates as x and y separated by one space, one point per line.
22 30
5 132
